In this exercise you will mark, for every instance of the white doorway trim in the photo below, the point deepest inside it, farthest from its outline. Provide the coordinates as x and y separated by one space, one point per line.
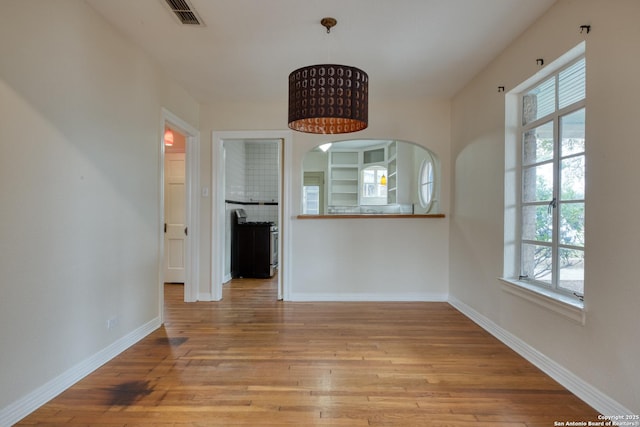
218 207
192 204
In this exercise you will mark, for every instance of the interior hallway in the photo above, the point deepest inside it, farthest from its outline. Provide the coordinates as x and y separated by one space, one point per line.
253 361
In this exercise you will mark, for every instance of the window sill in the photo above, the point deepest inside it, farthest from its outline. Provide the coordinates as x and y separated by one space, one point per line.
561 304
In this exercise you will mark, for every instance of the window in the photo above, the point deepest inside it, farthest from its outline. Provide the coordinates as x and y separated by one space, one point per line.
550 205
426 183
374 186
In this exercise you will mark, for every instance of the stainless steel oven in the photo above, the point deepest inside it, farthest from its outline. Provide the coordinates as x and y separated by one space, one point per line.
274 248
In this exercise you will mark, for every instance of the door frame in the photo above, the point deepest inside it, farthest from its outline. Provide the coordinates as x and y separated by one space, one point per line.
192 205
218 210
320 175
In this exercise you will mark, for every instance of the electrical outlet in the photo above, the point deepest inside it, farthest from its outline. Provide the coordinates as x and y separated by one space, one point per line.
112 322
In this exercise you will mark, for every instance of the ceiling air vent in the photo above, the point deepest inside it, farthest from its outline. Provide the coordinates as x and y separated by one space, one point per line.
185 12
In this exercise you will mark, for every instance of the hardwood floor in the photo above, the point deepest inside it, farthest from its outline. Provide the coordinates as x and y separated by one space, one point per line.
253 361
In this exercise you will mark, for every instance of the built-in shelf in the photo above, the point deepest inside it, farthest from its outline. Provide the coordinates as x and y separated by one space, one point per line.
343 178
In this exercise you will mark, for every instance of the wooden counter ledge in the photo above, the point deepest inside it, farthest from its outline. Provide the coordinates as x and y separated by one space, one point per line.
369 216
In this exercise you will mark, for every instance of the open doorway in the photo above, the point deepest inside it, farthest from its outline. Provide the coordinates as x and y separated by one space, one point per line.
242 183
313 193
252 199
179 205
176 230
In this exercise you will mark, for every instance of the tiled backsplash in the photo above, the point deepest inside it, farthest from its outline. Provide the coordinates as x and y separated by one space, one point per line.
261 175
234 171
404 209
252 176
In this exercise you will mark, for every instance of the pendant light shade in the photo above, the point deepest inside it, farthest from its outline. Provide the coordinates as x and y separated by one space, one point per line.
328 99
168 137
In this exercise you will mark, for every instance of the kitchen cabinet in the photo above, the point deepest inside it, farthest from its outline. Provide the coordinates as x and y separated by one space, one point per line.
375 155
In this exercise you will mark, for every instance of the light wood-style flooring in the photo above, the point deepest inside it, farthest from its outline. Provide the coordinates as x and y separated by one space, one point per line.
253 361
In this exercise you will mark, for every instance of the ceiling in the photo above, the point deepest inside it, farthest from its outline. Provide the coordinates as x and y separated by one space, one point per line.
247 48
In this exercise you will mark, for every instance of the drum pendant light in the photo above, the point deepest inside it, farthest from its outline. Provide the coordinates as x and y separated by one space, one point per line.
328 98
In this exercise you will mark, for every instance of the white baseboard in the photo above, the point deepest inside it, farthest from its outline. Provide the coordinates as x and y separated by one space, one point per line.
32 401
368 297
585 391
205 296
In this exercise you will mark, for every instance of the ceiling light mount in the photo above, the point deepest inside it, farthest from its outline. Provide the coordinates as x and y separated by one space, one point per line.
328 23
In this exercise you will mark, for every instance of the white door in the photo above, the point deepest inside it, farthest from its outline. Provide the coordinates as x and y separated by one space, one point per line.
174 215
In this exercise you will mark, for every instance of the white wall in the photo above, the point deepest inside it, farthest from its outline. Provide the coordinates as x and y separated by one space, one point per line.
333 259
80 113
605 351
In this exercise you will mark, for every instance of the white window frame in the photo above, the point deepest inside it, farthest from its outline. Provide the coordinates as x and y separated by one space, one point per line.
548 296
428 182
373 200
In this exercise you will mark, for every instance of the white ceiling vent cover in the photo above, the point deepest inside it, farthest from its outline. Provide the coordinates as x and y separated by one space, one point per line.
185 12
